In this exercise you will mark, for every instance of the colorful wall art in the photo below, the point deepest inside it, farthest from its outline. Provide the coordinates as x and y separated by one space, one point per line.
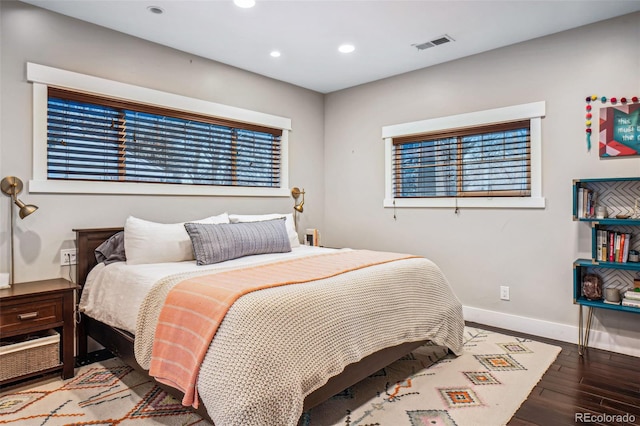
620 130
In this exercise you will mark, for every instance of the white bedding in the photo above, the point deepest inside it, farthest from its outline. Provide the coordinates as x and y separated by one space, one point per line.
108 289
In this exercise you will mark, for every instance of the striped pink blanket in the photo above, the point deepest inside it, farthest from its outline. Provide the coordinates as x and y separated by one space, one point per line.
195 308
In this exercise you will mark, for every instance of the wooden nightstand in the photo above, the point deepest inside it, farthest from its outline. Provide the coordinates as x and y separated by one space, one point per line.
27 308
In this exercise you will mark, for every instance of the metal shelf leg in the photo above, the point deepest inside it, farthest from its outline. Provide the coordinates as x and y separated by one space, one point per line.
583 334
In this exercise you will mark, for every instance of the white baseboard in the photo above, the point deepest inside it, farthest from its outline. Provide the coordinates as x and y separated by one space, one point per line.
551 330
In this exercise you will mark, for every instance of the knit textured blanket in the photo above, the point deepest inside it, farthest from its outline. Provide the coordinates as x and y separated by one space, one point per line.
195 308
277 345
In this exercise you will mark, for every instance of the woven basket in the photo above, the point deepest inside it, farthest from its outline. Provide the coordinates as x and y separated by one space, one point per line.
30 356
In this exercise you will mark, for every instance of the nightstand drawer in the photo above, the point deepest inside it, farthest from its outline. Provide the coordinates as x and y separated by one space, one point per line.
28 315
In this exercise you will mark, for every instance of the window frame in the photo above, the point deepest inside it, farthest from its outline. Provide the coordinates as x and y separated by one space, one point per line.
42 77
532 112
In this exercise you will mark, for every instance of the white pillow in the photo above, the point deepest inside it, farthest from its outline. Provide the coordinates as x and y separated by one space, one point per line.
152 242
291 229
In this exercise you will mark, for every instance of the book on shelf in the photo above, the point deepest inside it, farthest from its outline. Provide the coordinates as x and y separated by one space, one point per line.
598 245
612 246
632 295
580 202
610 303
586 203
625 248
631 303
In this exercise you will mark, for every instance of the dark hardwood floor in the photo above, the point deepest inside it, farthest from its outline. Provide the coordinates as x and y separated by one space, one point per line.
599 388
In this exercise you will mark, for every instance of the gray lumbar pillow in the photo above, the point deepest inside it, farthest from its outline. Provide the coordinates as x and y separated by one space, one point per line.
214 243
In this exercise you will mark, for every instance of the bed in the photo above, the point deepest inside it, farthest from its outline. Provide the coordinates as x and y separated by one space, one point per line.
359 360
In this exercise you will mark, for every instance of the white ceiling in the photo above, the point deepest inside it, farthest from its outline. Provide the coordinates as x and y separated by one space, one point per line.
308 32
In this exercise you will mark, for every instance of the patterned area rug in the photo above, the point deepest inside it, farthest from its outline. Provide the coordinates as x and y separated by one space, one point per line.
484 386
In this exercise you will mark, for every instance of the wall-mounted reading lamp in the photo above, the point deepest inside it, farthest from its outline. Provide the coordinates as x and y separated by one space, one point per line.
297 207
12 186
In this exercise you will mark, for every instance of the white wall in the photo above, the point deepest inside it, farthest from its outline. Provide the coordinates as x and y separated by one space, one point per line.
30 34
481 249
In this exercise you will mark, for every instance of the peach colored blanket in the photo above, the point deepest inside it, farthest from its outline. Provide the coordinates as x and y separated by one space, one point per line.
195 308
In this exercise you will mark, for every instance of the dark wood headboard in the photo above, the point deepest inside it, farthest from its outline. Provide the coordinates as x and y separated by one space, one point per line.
87 240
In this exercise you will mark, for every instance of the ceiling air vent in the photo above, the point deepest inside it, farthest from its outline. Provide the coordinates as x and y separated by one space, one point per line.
433 43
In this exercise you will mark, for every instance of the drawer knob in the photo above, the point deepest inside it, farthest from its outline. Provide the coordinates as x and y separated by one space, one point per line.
30 315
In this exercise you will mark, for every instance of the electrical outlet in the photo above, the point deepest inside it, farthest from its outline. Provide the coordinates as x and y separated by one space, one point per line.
68 257
504 292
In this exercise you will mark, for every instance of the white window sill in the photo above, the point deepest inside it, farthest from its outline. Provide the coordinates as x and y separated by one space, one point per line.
137 188
476 202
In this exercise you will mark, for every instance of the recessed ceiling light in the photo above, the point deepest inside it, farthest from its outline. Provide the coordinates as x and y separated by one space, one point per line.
155 9
347 48
275 54
245 3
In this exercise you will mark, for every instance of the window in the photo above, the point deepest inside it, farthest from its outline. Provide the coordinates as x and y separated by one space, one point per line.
486 159
494 161
149 142
94 138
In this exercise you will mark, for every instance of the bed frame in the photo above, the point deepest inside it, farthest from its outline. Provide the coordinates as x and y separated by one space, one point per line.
120 342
